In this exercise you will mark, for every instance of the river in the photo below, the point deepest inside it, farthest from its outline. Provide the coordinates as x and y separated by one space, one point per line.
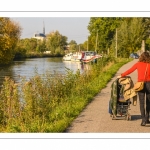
28 67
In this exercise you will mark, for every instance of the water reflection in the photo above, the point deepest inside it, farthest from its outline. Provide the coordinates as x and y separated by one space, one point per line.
29 67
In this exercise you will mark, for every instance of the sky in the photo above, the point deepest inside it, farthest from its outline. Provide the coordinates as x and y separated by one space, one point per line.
75 28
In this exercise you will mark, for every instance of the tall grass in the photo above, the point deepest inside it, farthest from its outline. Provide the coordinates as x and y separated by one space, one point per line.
50 103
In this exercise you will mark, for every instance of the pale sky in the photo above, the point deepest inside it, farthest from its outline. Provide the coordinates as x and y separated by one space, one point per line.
75 28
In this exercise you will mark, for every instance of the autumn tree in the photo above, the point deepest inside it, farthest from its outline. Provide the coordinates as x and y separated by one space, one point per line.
9 34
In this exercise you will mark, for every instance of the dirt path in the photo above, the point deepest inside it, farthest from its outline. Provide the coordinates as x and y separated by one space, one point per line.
96 119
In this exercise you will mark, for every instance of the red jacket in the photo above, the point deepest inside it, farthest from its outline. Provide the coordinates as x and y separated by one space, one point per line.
141 68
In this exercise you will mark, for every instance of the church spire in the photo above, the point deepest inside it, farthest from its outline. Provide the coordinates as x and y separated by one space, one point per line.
43 28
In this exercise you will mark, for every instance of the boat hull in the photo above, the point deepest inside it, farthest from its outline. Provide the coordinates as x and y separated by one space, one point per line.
89 56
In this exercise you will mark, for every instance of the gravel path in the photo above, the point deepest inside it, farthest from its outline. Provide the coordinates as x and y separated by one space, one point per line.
96 119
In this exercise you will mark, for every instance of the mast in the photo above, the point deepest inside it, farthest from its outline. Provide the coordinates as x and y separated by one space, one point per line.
43 28
96 41
87 43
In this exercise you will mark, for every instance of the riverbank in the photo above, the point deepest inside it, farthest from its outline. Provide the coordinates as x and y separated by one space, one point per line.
19 56
51 103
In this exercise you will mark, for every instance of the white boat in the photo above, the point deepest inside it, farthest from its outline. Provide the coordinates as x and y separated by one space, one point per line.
76 56
73 56
68 57
89 56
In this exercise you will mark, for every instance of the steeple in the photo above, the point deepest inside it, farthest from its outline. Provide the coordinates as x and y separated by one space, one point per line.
43 28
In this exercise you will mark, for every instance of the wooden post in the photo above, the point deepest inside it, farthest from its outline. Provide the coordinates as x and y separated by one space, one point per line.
108 51
116 42
143 46
96 41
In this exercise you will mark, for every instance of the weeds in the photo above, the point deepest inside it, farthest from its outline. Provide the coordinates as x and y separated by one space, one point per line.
50 103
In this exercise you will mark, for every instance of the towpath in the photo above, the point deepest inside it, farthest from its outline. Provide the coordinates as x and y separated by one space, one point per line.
96 119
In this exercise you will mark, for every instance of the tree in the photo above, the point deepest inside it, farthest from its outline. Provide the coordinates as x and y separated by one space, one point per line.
55 40
81 48
72 42
73 45
9 35
148 44
41 46
130 35
102 29
87 45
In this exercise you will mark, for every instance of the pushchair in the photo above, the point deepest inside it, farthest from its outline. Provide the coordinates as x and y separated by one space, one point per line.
119 106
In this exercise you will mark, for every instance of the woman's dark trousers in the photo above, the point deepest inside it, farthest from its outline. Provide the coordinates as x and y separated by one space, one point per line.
145 93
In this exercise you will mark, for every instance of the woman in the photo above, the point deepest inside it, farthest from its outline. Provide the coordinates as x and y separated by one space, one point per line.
143 70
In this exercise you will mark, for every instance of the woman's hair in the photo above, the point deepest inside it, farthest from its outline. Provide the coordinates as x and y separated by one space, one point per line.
145 57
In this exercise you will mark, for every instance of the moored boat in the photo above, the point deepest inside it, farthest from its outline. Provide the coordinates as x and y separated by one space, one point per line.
73 56
76 56
68 57
89 56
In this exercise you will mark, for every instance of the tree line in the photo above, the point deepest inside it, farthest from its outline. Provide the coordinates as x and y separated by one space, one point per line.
102 38
130 33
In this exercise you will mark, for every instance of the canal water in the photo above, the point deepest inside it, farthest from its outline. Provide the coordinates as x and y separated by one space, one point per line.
29 67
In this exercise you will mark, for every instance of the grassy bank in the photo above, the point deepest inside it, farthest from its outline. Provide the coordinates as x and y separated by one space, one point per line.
50 103
36 55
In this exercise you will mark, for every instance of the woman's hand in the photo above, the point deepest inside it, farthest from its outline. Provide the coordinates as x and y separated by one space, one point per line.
118 76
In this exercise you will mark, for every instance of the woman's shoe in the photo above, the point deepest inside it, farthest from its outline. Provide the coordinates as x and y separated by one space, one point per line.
143 123
147 122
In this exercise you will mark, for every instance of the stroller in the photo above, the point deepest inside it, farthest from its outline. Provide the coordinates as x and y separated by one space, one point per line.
119 106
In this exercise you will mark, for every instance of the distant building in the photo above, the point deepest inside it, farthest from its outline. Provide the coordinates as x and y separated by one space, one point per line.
40 36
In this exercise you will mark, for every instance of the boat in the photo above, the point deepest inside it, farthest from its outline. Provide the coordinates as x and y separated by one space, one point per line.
73 56
68 57
89 56
76 56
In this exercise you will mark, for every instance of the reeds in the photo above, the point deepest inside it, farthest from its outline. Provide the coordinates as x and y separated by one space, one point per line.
49 103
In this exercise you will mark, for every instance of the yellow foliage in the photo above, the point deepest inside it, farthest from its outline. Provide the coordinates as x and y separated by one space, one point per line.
9 34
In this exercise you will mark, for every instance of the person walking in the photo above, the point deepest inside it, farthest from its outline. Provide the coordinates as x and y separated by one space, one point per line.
143 71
